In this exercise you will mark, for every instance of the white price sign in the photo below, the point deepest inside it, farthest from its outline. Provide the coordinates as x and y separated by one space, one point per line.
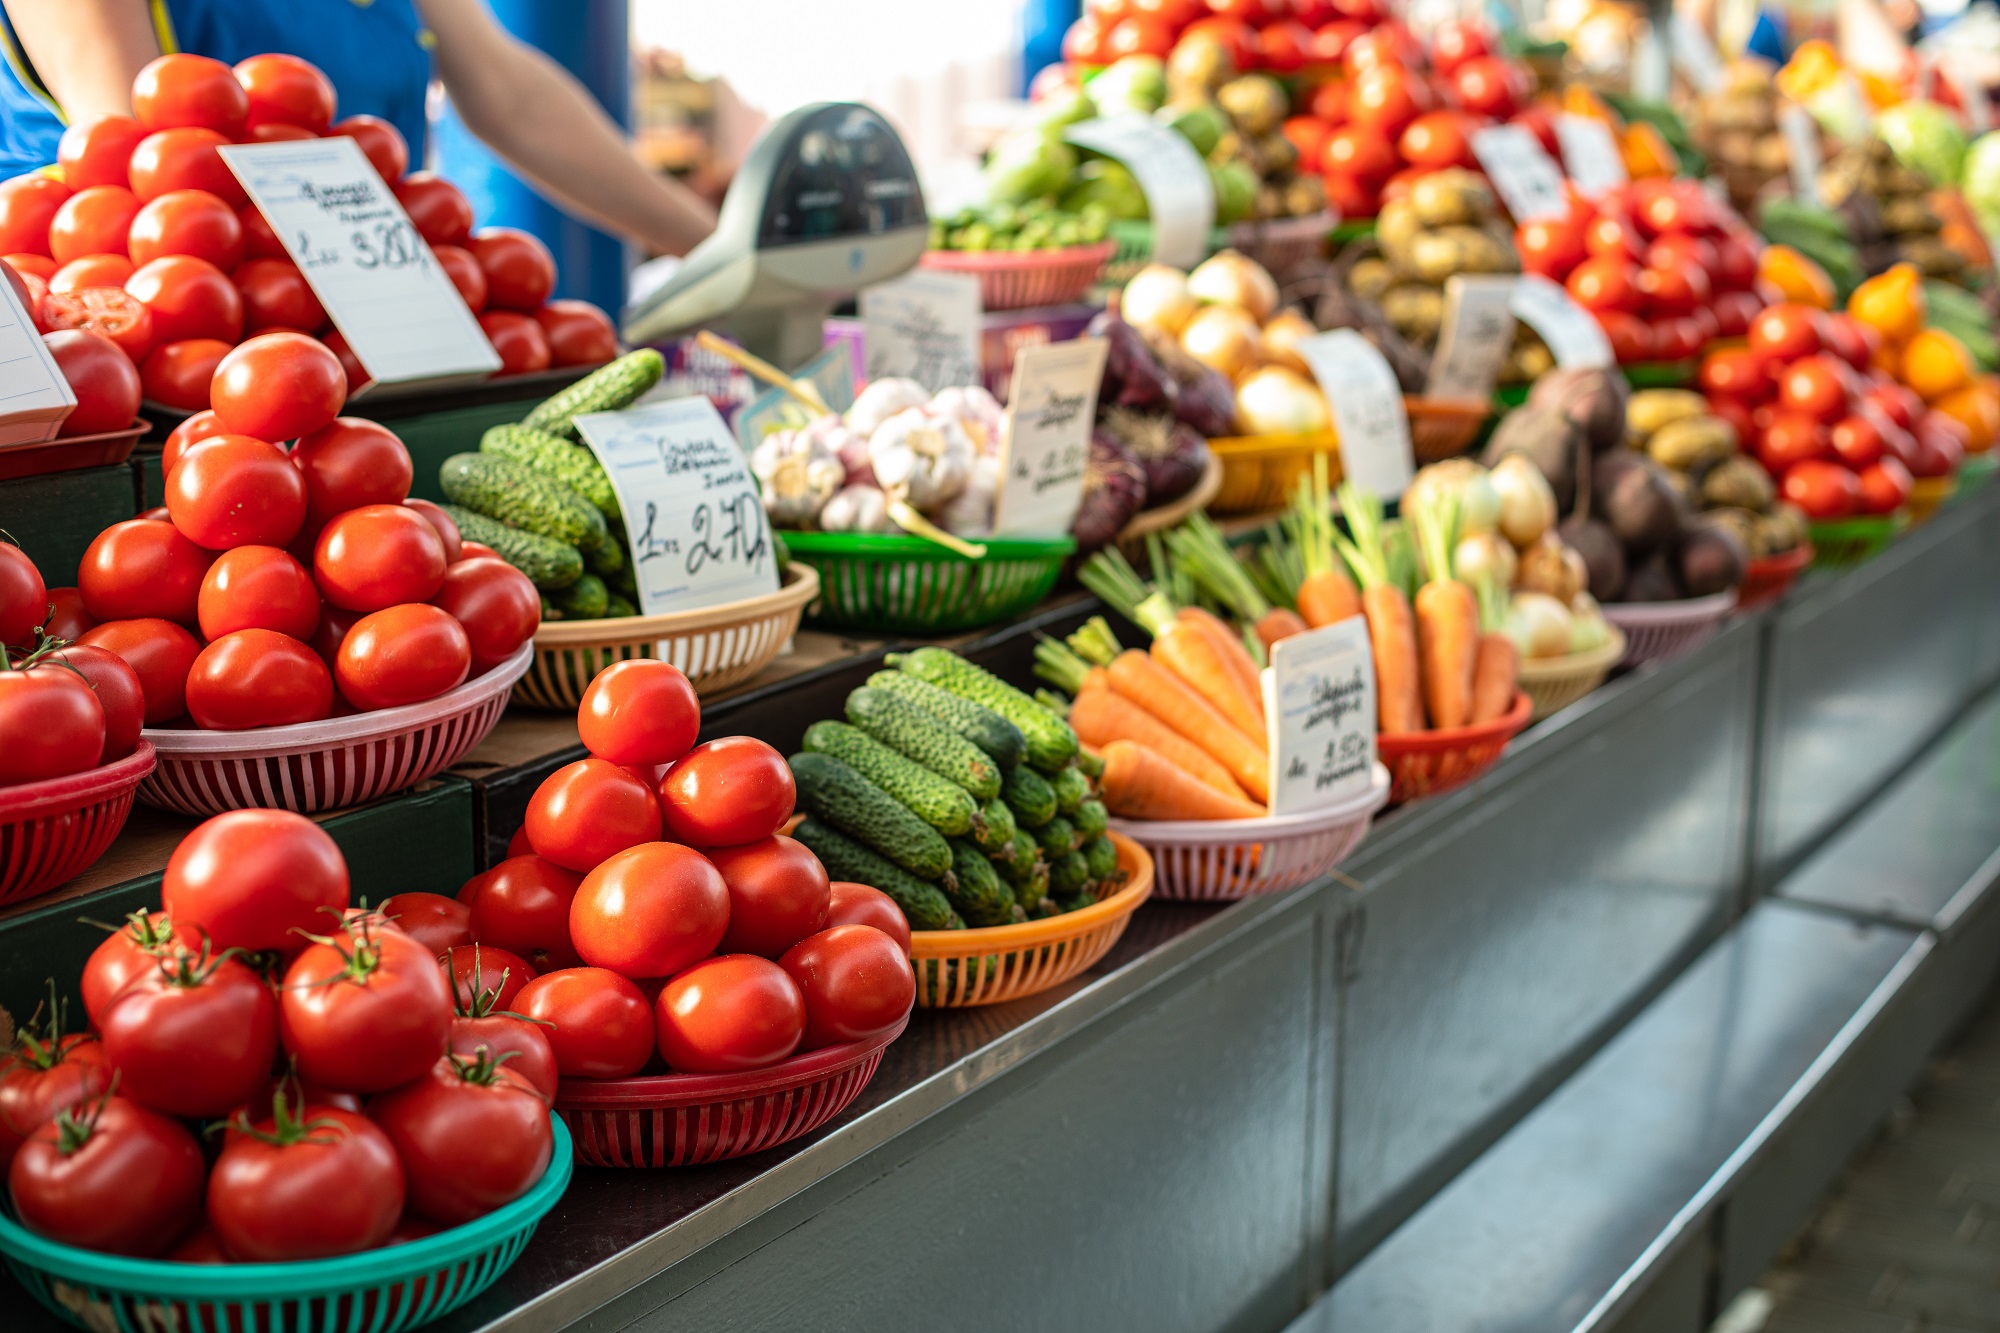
1319 711
1573 337
1473 341
1695 55
1801 133
694 520
378 280
1528 179
923 326
1045 439
1179 195
1367 405
35 399
1590 153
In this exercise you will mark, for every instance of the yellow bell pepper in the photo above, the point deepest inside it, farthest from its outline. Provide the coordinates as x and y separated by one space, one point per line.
1798 277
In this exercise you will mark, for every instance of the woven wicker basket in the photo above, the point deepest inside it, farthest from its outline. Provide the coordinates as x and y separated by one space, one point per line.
1259 472
1554 683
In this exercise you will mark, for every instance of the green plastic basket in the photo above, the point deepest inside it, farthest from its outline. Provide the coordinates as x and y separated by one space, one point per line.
906 585
1662 374
1510 396
1354 229
379 1291
1843 543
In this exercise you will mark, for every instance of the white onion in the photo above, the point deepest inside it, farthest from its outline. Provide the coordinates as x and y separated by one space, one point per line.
1157 298
1527 505
1233 278
1223 338
1587 629
1482 555
1539 625
1276 401
1282 335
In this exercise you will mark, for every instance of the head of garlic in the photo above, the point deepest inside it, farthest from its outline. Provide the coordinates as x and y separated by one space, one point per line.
846 444
972 407
970 512
883 399
797 475
857 509
922 459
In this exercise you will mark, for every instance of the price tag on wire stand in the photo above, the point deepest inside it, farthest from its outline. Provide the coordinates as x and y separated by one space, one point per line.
923 326
35 399
379 282
1590 154
1573 337
1473 340
1319 714
1801 133
694 520
1179 195
1045 437
1367 405
1528 179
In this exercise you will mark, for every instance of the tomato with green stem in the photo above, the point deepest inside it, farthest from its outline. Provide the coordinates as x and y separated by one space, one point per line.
193 1037
46 1071
24 597
135 947
484 974
304 1182
109 1175
431 919
50 722
364 1009
472 1133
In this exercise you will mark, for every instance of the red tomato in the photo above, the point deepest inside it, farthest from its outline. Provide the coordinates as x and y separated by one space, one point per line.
530 1054
1284 45
182 222
28 206
726 792
1084 41
1671 208
778 895
856 981
1373 49
484 977
1735 263
1823 490
50 725
44 1074
642 711
366 1013
1138 36
1611 234
1897 402
106 386
380 141
24 597
183 159
257 880
132 1185
182 89
279 386
1605 282
1734 311
1858 440
1815 386
1680 338
379 555
313 1182
95 152
520 272
259 241
1938 447
523 907
1678 248
519 339
728 1014
352 463
142 568
465 274
285 90
1885 486
579 333
585 811
850 904
402 655
1491 86
1437 139
431 919
1550 248
598 1022
161 652
233 490
92 221
1456 41
178 373
203 425
275 133
1387 97
1353 196
649 910
496 603
472 1136
258 678
119 694
441 212
135 947
26 275
275 293
191 1037
1632 338
1786 332
67 618
189 298
1849 339
1792 437
107 311
1735 372
86 271
1361 152
1675 290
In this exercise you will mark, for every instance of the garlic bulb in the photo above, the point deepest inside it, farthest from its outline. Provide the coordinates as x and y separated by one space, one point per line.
922 459
857 509
846 444
883 399
970 512
797 475
978 411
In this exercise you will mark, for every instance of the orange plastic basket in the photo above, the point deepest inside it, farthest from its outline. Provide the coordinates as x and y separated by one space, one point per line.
994 964
1424 763
1020 279
1259 472
1770 577
1440 429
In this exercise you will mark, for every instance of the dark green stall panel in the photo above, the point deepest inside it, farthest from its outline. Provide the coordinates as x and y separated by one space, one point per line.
54 517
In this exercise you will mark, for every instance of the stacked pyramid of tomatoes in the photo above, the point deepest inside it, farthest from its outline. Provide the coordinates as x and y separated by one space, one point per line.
144 237
282 585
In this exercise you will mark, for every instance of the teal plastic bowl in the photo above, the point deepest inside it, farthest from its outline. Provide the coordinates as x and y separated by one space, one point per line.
380 1291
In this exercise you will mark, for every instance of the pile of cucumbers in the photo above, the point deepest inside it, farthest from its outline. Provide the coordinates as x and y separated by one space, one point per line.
957 795
539 497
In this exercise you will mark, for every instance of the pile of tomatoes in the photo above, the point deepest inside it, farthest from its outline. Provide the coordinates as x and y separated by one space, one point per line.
280 586
146 237
651 914
1663 266
1838 437
355 1108
63 709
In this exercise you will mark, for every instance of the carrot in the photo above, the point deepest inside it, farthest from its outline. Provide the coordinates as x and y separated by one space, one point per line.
1202 553
1447 616
1140 784
1101 716
1324 593
1163 694
1235 660
1496 670
1392 635
1326 597
1280 623
1191 655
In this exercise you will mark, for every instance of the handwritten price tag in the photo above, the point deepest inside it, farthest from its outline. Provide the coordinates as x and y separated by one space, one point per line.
1046 437
1319 711
923 326
379 282
1695 55
1179 195
694 521
1801 133
1573 337
35 399
1528 179
1478 329
1590 154
1367 405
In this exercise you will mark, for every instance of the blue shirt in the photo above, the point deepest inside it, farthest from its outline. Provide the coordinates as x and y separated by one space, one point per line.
375 51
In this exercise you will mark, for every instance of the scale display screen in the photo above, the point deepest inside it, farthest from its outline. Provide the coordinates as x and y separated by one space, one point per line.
847 175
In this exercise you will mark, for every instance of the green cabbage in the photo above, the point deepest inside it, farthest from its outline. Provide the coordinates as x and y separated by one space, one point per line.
1924 138
1980 179
1028 165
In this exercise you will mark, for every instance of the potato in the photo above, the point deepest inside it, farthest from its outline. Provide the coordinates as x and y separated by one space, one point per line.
1782 529
1739 483
1452 197
1437 255
1741 522
1369 278
1395 227
1416 312
1692 443
1771 154
1650 409
1902 217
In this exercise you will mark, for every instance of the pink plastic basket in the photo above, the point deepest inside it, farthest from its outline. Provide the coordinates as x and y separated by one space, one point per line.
1220 860
54 830
692 1119
1018 279
1661 631
315 766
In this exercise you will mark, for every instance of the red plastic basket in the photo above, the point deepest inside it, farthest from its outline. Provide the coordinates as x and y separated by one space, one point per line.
1770 577
1018 279
68 453
1424 763
1661 631
692 1119
54 830
315 766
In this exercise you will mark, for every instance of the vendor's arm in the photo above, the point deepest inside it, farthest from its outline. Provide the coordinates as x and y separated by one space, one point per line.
531 112
87 52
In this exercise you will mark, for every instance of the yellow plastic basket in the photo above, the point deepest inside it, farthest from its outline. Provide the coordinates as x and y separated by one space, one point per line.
1259 472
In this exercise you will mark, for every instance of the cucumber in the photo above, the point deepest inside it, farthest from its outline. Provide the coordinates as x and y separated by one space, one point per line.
944 805
1018 859
1068 874
522 498
1001 739
981 896
924 905
837 794
995 828
1051 743
1057 837
1091 818
549 565
1100 855
1032 892
606 389
586 599
1072 789
1032 799
625 582
549 609
616 607
608 560
904 727
556 458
